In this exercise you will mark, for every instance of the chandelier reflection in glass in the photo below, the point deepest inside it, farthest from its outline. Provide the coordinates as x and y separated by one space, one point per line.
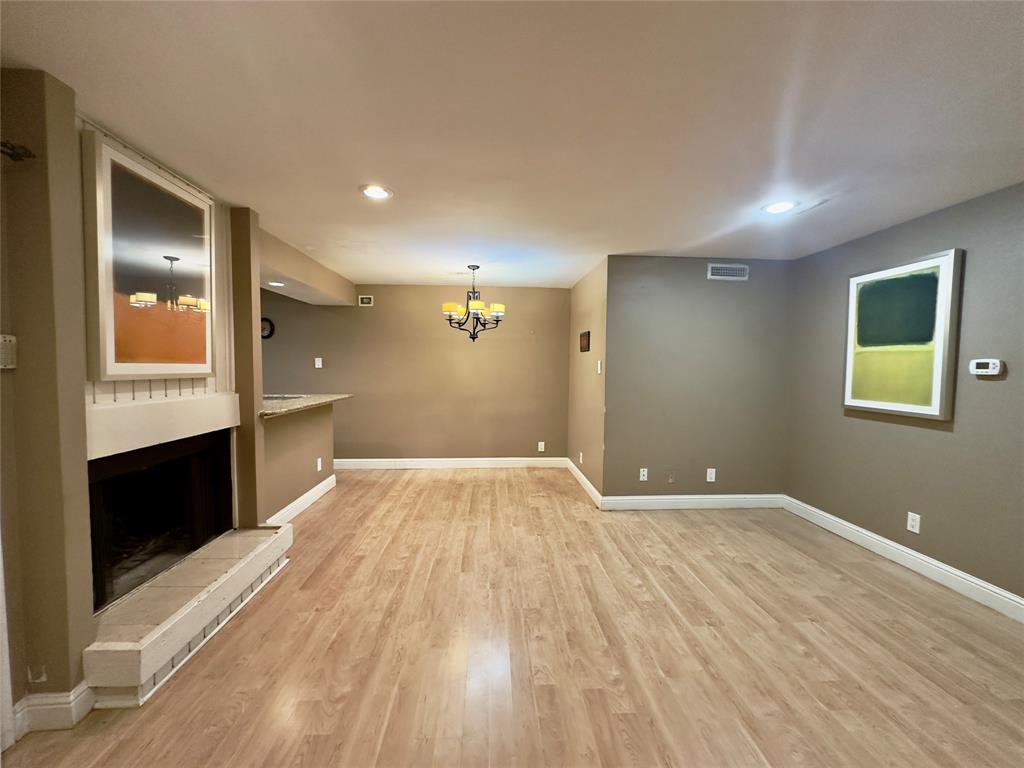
476 317
186 303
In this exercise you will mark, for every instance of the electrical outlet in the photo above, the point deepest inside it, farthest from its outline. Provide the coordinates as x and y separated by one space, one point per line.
643 474
540 446
913 522
581 457
671 477
712 474
319 463
318 362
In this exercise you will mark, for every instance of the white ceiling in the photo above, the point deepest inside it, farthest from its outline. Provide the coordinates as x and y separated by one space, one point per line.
534 139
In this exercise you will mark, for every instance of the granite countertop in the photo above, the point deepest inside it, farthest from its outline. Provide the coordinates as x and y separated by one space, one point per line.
279 405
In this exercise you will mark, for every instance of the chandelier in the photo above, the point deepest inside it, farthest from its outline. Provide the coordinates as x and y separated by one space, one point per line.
476 317
186 303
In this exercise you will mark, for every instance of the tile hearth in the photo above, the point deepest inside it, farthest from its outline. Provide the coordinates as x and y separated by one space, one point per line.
144 637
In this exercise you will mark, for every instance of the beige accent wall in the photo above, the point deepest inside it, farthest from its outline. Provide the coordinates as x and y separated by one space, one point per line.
45 496
965 477
588 312
422 389
696 378
304 278
292 444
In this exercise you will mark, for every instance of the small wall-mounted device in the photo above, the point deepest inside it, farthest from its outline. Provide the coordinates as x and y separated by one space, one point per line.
8 352
365 301
987 366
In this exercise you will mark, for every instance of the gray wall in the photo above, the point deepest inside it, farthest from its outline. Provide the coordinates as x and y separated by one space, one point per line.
963 477
589 312
696 377
422 389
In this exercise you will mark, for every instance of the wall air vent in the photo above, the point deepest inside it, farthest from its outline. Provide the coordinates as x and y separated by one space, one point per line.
728 272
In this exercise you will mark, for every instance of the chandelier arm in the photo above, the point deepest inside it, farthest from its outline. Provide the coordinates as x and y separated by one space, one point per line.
459 327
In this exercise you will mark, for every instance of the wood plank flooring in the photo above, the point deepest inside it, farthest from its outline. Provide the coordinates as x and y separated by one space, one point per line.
495 618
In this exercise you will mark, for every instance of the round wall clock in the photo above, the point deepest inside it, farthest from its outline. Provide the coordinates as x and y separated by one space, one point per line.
266 327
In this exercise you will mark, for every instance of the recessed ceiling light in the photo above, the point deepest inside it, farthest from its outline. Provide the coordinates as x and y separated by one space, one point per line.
275 284
782 206
376 191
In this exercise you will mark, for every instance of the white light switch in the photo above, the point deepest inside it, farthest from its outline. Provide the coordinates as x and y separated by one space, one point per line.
318 362
319 464
913 522
712 474
540 446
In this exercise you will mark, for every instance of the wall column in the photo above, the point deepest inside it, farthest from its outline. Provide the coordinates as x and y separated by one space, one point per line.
245 280
45 435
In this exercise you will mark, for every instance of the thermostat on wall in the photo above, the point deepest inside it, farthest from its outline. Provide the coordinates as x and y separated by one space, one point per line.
986 367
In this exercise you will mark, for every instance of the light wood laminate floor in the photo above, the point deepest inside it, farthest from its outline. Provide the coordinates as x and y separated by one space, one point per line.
494 617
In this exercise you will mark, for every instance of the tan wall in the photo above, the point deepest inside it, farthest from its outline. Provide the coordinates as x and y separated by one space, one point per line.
9 464
45 307
422 389
248 358
292 444
965 477
589 312
695 378
304 278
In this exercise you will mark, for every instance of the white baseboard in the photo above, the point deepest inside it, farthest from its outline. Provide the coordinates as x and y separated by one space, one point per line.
976 589
292 510
52 711
20 722
980 591
584 481
495 462
695 501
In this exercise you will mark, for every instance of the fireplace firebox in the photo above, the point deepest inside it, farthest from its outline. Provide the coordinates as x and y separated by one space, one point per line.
151 507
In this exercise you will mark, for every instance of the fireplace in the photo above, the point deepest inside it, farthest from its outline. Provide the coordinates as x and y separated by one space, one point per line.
153 506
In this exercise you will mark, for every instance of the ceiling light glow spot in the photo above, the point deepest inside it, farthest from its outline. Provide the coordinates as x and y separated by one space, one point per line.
782 206
376 191
275 284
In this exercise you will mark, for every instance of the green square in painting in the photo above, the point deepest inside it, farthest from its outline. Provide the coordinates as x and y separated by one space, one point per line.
894 355
898 310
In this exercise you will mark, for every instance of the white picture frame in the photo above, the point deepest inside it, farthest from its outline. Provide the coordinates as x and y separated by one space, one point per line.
98 154
949 265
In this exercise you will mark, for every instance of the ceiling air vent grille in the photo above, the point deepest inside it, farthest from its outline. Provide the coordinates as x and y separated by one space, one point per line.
728 272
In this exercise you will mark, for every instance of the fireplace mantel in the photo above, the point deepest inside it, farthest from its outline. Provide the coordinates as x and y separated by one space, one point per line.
124 426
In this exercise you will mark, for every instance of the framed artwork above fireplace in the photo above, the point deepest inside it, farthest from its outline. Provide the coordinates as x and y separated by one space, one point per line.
149 268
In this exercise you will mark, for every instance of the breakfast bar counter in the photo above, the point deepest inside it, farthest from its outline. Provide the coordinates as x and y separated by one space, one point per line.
279 405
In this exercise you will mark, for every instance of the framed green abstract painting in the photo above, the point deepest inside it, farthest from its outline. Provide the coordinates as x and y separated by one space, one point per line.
901 338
